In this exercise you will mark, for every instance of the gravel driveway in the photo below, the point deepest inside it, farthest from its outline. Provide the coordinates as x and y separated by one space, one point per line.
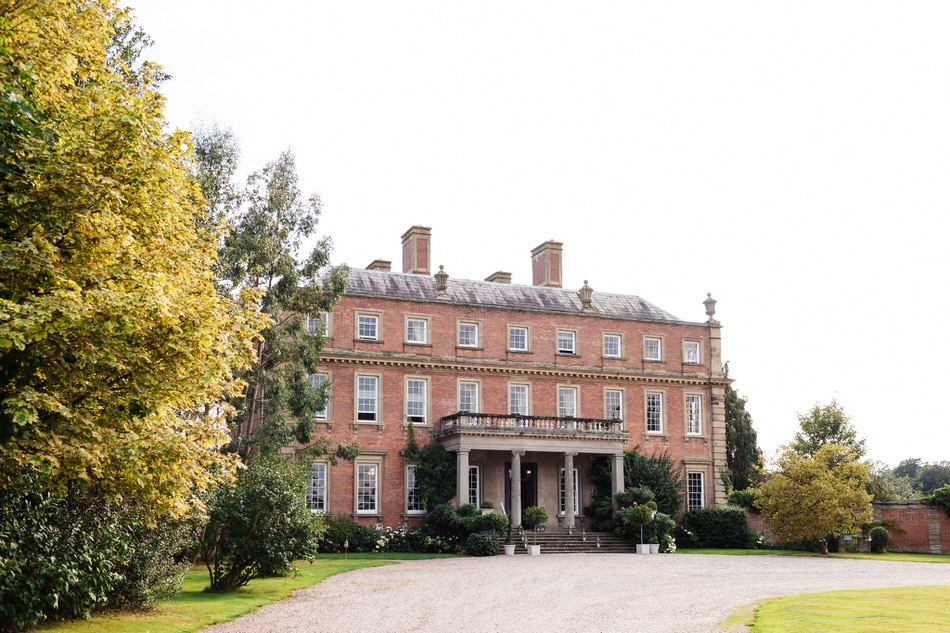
567 592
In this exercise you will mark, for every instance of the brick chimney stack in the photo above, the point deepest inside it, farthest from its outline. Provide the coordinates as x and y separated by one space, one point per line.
415 250
546 264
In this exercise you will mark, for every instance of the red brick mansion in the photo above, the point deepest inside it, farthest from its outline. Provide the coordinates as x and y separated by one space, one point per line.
525 385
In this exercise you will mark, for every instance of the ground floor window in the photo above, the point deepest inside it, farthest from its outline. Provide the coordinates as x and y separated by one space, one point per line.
474 488
413 497
694 490
367 488
563 495
317 488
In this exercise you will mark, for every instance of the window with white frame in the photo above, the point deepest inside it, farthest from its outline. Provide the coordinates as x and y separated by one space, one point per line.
367 327
518 338
367 488
654 412
474 487
691 352
318 323
612 345
613 404
566 343
562 508
316 382
567 402
518 399
367 398
652 348
695 494
416 400
317 487
417 330
413 496
694 414
468 334
468 397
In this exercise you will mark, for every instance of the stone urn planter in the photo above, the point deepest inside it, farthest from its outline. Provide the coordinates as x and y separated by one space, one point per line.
509 549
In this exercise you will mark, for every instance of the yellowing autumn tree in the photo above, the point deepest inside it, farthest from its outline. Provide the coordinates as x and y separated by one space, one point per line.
817 495
115 349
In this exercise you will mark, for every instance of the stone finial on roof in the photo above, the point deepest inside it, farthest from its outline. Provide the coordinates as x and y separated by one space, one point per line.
710 304
586 294
441 282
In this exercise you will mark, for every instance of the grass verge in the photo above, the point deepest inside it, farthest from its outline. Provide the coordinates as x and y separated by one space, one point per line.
891 556
193 609
857 611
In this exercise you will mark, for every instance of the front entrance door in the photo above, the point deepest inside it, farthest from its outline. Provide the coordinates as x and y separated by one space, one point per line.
529 485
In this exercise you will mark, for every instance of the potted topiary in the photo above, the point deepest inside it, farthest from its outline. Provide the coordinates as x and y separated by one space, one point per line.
640 514
535 516
509 544
654 544
487 507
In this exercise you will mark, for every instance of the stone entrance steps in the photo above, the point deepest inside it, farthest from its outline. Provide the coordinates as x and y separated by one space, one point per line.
575 543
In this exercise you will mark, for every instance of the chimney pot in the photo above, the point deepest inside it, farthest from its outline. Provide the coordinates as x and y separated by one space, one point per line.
380 264
499 277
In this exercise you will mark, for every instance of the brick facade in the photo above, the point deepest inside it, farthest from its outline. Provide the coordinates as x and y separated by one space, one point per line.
444 310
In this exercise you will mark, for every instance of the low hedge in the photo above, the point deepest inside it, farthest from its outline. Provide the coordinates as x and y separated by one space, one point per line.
719 527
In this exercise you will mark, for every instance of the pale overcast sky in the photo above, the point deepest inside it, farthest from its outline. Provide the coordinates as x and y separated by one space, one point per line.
792 158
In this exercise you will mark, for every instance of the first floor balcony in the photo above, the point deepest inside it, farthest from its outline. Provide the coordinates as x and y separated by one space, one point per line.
526 427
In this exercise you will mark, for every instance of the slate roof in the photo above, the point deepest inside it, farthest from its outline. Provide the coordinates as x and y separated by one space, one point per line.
376 283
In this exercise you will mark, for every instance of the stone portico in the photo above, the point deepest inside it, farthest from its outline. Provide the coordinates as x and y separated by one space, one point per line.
541 449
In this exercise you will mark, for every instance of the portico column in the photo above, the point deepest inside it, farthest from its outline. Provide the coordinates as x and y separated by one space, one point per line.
461 486
569 491
617 483
516 488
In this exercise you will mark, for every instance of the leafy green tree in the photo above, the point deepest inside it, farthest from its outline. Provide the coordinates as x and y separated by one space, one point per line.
260 524
656 473
941 498
218 155
885 485
115 348
823 425
659 474
270 220
932 476
908 468
925 477
813 496
436 475
743 456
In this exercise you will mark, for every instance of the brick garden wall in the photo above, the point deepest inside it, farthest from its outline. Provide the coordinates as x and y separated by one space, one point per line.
917 527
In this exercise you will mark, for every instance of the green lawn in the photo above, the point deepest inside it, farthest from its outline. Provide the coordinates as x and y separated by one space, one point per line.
194 609
857 611
847 611
891 556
